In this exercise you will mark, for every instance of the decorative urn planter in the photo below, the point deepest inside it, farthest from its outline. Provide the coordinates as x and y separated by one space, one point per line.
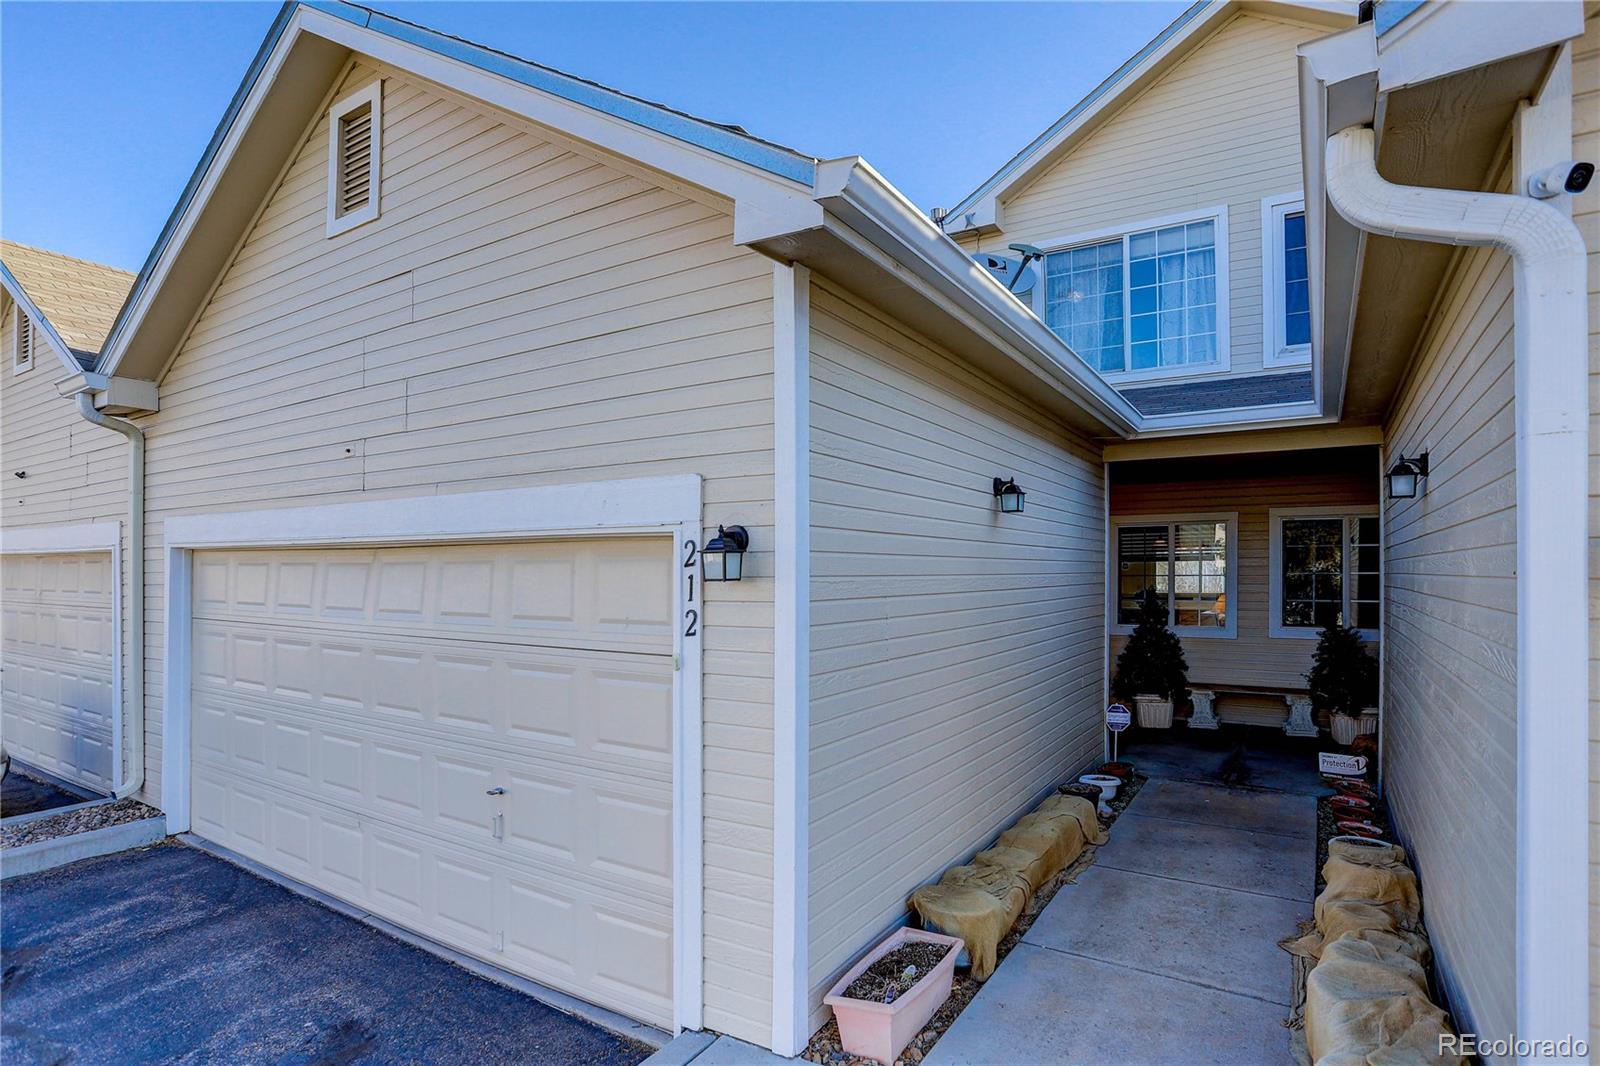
1345 728
1368 722
1153 712
882 1030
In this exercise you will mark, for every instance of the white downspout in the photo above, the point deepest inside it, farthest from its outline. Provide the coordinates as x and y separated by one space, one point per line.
1552 446
130 773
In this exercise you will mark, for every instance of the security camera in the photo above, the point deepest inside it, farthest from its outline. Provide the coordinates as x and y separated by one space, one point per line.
1568 177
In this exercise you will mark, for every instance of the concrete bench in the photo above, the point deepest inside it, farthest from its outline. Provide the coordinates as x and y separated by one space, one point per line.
1204 699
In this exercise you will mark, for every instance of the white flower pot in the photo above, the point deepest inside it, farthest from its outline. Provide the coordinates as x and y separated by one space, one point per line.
1368 722
1154 713
1344 728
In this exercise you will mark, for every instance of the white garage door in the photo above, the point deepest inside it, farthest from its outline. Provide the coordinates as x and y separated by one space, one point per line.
355 713
57 644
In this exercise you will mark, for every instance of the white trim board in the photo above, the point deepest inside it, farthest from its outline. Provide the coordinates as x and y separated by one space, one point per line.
791 666
643 505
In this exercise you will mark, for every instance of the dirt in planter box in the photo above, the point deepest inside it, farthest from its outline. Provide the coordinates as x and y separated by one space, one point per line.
825 1048
893 975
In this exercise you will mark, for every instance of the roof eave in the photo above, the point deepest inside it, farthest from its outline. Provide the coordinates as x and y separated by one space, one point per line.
14 289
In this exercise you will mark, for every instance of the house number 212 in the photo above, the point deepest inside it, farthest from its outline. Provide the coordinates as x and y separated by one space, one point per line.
691 615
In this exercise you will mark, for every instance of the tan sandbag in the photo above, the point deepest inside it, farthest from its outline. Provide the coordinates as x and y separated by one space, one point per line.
1079 810
979 904
1374 874
1367 1005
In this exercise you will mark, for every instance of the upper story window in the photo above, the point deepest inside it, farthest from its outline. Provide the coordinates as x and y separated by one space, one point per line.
23 342
1187 560
1286 281
1326 567
355 143
1148 302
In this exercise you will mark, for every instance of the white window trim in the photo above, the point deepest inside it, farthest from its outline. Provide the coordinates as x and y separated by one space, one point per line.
1275 352
660 505
1230 586
1217 214
370 95
21 321
1275 517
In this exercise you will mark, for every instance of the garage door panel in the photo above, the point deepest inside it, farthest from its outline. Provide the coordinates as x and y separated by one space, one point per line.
353 708
590 593
57 642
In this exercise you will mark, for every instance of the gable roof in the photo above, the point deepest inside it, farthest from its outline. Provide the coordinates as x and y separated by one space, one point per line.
286 84
980 209
75 300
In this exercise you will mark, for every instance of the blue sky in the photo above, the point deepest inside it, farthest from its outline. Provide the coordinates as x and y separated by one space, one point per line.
936 96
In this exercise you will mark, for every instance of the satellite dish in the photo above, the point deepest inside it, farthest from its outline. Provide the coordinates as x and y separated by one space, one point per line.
1018 275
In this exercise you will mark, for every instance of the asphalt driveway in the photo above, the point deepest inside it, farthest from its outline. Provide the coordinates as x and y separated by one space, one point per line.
172 955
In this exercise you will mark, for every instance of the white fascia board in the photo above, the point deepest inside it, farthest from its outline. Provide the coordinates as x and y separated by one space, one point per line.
739 182
1274 416
123 394
15 290
154 276
1440 39
1338 88
858 201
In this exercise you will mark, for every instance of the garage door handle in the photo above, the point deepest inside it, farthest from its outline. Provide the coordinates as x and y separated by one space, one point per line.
495 792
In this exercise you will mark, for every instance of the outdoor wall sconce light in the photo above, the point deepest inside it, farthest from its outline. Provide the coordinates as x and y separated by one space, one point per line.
1404 476
1010 497
723 555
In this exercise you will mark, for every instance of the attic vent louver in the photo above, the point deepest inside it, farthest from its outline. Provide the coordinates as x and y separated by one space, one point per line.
355 154
355 160
24 348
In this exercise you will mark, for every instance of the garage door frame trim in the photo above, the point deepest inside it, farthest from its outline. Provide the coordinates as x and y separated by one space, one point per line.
662 505
78 539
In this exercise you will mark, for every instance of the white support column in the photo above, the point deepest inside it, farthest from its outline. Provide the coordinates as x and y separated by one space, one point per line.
791 666
1204 715
1300 723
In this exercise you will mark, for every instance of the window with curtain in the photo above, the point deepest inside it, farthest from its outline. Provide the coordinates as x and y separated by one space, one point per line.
1184 562
1144 301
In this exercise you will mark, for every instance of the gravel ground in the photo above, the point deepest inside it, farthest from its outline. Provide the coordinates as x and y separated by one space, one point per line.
824 1047
81 821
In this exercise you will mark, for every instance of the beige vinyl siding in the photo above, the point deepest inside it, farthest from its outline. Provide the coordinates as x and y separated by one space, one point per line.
1586 211
77 472
521 313
956 652
1450 649
1221 128
1249 486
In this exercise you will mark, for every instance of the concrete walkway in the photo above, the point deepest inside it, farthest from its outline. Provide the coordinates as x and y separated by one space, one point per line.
1165 951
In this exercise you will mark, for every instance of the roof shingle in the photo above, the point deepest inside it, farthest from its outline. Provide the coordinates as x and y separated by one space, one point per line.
81 299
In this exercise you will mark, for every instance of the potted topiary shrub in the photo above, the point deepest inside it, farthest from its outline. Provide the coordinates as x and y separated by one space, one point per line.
1151 671
1344 682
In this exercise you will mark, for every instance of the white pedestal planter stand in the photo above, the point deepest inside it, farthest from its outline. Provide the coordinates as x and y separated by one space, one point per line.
1300 723
1205 709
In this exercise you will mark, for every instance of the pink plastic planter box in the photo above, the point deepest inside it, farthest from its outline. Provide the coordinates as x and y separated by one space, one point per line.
882 1030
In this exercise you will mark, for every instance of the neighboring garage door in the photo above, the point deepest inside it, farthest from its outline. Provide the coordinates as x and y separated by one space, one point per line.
353 709
57 644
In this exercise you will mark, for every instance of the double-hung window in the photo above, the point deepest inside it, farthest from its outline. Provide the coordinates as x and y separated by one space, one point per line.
1286 281
1143 303
1186 560
1326 567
